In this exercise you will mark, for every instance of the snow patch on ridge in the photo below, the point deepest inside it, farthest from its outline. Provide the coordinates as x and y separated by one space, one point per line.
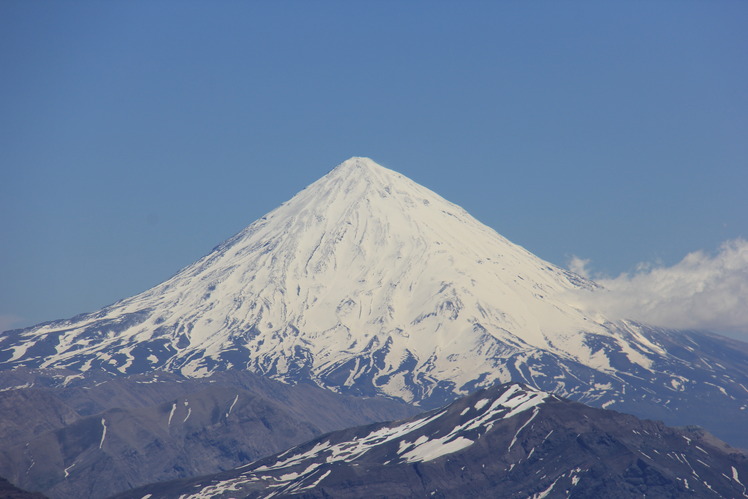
425 438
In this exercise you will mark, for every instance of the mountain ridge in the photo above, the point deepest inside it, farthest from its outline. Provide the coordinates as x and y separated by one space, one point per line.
503 441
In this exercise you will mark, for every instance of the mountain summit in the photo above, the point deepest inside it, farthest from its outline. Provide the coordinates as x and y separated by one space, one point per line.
367 283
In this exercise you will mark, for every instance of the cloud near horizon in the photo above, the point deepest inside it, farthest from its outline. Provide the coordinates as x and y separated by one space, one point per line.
8 321
702 291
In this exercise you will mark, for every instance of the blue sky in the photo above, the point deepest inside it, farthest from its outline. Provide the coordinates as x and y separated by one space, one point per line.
135 136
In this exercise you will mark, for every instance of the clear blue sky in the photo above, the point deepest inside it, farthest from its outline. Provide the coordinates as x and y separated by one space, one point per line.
136 135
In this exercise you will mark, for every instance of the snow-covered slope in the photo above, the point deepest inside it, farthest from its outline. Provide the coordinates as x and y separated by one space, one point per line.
366 282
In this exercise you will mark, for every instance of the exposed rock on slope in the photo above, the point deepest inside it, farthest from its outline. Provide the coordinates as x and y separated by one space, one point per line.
9 491
508 441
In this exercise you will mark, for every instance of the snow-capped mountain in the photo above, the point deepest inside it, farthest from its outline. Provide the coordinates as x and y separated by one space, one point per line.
368 283
506 441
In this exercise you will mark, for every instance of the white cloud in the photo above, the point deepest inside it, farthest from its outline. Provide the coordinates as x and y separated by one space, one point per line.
702 291
579 266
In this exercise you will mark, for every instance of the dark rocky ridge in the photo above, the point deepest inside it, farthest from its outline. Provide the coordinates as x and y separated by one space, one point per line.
555 448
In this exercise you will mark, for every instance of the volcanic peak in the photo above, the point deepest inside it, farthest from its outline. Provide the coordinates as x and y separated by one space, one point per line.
358 178
360 165
369 284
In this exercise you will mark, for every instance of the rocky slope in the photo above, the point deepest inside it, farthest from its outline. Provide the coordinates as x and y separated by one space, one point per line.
9 491
507 441
101 435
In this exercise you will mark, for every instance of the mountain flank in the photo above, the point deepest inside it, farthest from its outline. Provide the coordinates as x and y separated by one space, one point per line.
92 436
